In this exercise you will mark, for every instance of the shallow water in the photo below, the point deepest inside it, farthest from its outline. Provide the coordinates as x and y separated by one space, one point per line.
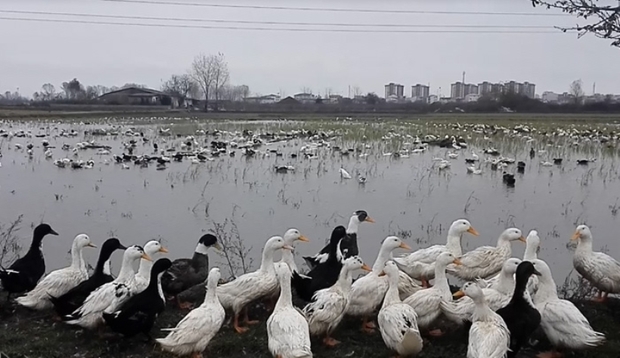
409 197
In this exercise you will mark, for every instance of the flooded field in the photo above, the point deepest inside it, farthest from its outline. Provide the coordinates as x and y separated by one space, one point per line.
413 187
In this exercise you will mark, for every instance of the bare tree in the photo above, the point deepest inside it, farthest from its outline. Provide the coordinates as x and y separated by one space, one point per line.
181 86
306 90
604 20
202 73
48 92
576 89
220 75
357 91
73 89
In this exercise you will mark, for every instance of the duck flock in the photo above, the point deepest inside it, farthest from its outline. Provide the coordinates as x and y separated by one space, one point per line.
504 299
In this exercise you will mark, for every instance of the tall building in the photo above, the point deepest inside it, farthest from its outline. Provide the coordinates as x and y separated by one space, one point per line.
529 89
420 91
394 89
460 90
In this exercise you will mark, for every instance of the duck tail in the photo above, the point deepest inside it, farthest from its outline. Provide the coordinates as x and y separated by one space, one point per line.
412 342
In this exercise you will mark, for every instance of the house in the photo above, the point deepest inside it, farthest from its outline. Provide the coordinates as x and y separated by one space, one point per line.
305 97
268 99
139 96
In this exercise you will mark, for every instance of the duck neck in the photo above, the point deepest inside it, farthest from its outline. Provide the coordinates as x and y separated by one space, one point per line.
531 252
344 280
289 259
454 244
482 312
382 258
520 286
145 267
211 296
505 282
354 224
584 246
546 289
154 279
441 281
266 263
107 267
35 246
285 299
127 270
77 260
392 296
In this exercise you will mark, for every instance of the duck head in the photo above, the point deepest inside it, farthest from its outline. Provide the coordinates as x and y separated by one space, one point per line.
582 232
355 263
447 258
292 235
136 252
526 269
276 243
154 247
512 234
82 240
461 226
44 229
473 291
394 242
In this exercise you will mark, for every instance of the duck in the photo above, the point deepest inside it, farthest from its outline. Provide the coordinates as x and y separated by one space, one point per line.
251 286
138 313
564 325
329 250
328 305
143 277
420 265
194 332
89 315
326 271
25 272
508 179
288 335
600 269
186 273
74 298
59 282
348 244
368 291
532 247
397 320
520 315
426 303
290 237
486 261
497 295
489 336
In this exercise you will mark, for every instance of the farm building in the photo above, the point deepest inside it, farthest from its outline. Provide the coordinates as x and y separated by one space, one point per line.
139 96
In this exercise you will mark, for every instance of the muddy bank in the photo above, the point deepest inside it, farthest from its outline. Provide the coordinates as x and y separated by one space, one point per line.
24 333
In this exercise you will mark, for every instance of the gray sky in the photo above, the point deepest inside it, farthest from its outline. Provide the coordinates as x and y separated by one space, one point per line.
33 53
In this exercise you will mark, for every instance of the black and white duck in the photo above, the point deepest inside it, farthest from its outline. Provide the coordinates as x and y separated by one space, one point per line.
138 314
325 273
520 315
26 271
75 297
348 245
186 273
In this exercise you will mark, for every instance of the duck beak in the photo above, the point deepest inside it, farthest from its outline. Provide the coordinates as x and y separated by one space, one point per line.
575 236
457 262
536 272
90 244
522 239
458 294
473 231
288 247
303 238
217 246
366 268
52 232
382 274
122 247
146 257
369 219
163 250
404 246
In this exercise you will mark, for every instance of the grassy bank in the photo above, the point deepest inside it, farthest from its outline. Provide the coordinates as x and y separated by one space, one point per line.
24 333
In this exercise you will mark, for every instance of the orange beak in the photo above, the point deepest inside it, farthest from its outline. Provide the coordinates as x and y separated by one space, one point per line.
472 231
458 294
366 268
163 250
369 219
382 274
404 246
303 238
457 262
522 239
575 236
146 257
90 244
288 247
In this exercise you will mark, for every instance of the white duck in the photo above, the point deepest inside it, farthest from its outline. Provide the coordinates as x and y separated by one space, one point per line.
329 305
397 320
290 237
489 336
142 278
426 302
562 322
89 315
199 326
600 269
486 261
420 265
287 330
59 282
368 291
498 296
251 286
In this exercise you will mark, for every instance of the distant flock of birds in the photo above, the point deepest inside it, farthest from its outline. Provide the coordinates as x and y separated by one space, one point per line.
506 298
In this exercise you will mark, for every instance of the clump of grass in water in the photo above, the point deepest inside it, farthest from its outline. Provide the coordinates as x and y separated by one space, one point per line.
9 245
235 253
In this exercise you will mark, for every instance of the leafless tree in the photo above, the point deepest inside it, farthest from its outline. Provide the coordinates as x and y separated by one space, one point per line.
48 92
603 20
220 76
357 91
576 89
306 90
203 74
182 86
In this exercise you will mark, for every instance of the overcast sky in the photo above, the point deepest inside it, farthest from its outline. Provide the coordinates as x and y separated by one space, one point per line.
33 53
